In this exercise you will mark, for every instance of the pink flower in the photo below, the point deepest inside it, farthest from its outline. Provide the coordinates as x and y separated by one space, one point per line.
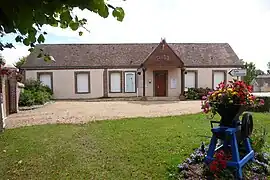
204 97
261 102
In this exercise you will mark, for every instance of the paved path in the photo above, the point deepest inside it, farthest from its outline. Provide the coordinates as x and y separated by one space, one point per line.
81 112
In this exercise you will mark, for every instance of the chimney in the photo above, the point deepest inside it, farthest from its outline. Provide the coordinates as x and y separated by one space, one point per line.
163 41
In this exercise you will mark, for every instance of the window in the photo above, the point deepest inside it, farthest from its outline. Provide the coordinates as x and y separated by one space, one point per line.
46 78
218 77
82 82
130 82
190 79
115 82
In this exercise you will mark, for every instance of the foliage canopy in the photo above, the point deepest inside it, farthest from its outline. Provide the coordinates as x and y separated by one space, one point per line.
26 17
251 72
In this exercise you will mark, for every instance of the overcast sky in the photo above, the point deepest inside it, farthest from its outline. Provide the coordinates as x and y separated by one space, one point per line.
244 24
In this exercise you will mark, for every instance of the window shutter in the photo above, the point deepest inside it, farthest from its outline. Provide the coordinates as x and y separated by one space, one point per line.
82 83
46 80
115 82
190 80
218 78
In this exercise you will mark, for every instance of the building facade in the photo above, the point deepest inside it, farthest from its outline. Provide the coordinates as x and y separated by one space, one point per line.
85 71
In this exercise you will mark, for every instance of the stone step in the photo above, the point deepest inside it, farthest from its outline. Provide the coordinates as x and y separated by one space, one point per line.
163 98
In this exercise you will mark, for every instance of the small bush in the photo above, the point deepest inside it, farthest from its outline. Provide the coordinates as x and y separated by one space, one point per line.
35 85
258 139
263 108
196 93
192 94
35 93
26 98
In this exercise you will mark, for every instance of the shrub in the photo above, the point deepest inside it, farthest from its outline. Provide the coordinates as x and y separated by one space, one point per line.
258 139
196 93
36 85
263 108
192 94
35 93
26 98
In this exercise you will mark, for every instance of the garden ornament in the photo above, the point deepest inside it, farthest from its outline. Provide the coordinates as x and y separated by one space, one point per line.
230 101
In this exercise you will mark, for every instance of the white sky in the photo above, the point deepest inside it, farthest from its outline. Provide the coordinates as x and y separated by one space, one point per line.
244 24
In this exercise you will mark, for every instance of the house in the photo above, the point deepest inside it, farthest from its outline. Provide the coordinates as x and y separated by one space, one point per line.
261 83
83 71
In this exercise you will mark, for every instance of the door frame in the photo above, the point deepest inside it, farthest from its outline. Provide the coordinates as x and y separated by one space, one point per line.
154 82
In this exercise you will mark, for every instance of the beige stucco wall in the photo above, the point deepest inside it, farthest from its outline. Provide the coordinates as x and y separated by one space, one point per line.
205 76
173 73
64 83
122 94
204 79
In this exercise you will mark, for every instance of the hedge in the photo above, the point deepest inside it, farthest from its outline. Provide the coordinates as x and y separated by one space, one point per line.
196 93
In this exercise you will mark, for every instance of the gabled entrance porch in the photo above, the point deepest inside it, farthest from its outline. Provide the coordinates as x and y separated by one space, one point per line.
162 73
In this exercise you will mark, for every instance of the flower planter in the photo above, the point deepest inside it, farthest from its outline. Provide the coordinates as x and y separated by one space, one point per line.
229 114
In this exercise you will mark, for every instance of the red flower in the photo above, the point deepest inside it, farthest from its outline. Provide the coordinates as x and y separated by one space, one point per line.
214 166
261 101
223 164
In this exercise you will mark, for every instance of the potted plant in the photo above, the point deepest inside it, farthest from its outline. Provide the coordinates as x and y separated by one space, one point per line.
230 101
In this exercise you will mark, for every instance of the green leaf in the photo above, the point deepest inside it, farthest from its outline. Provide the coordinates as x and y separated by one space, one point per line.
104 11
80 33
26 42
19 38
63 25
118 13
65 16
31 49
39 55
32 35
54 24
52 21
47 58
41 39
74 25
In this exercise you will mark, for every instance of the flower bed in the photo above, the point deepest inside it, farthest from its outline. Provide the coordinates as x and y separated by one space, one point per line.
229 101
195 168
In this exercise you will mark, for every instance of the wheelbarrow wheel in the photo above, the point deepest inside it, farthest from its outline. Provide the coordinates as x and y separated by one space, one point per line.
247 125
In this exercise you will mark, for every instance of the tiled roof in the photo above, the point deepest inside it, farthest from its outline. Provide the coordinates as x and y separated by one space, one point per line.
130 55
263 79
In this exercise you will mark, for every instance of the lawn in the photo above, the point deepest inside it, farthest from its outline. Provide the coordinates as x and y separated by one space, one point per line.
139 148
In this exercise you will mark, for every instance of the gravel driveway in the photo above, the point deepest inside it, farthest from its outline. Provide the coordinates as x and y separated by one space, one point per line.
81 112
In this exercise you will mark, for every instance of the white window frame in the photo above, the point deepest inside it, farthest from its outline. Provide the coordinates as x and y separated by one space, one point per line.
111 90
76 82
135 84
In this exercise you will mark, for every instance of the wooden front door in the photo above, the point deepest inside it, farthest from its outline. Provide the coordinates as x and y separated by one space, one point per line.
160 83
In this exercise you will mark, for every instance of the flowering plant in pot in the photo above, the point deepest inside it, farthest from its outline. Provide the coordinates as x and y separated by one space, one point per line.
230 101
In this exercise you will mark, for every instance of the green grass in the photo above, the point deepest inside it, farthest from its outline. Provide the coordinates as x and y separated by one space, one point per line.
139 148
